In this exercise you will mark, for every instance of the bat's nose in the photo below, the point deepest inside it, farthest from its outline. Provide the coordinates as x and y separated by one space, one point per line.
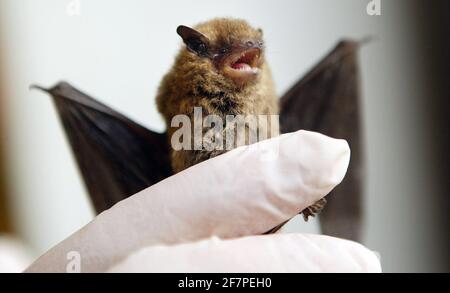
252 44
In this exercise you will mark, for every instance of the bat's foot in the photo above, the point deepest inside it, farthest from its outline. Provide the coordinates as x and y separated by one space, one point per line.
314 210
310 211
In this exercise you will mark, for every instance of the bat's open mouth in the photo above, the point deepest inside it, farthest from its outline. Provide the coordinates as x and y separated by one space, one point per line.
246 61
243 65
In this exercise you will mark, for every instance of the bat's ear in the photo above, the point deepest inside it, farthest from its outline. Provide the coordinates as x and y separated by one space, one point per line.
195 41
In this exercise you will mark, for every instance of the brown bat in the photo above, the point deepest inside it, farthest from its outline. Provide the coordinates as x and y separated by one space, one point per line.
221 69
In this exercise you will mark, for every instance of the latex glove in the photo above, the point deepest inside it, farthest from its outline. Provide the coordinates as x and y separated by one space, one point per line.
177 225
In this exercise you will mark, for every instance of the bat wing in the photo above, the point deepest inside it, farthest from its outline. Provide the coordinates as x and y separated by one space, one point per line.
117 157
326 100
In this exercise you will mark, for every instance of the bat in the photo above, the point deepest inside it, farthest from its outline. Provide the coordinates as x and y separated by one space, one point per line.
118 157
221 70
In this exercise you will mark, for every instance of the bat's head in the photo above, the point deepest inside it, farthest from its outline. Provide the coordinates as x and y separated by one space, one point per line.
228 47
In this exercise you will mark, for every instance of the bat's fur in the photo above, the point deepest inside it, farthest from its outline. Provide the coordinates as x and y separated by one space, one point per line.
196 81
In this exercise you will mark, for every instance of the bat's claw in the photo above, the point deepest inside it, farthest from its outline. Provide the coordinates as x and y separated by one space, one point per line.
38 87
314 210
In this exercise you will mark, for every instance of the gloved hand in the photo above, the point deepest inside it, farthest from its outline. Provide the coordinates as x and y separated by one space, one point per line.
210 217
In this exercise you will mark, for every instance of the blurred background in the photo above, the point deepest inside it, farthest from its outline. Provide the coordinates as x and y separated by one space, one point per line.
118 51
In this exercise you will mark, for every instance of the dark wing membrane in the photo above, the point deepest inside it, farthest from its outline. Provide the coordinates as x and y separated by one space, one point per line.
326 100
117 157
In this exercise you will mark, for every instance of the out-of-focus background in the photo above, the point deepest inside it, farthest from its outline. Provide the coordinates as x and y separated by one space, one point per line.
118 51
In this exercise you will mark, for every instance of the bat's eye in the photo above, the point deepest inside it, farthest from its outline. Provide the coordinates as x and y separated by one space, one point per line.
224 50
198 47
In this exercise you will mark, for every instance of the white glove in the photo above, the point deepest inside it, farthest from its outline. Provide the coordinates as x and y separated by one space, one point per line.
210 217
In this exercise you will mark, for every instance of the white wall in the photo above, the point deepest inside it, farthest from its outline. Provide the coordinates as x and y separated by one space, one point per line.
118 51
